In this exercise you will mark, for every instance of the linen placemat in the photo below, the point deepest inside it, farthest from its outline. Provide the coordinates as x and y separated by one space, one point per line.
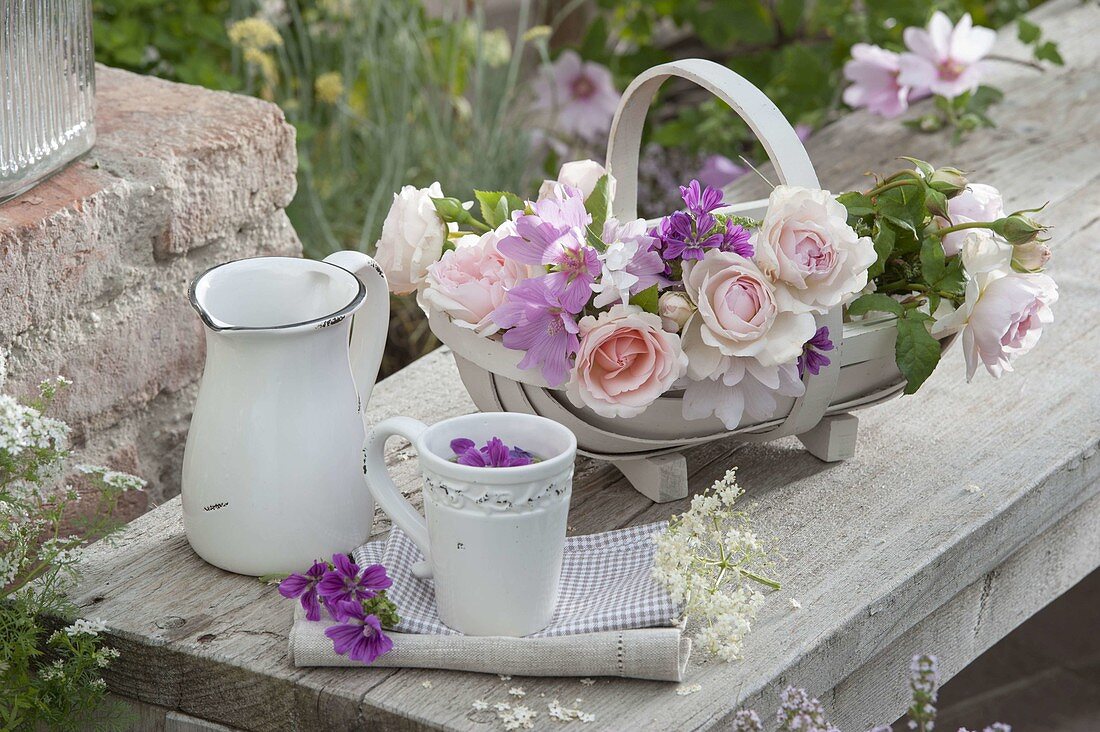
611 619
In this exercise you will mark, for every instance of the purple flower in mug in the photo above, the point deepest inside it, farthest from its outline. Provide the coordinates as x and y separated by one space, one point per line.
495 454
358 635
539 324
346 582
304 587
813 358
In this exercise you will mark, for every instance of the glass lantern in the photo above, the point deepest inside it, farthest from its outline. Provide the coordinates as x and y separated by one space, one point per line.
47 89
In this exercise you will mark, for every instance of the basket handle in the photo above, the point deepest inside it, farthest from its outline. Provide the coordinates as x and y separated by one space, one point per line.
792 165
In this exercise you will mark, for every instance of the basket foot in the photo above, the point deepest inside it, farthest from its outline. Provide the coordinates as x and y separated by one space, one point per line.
661 478
833 439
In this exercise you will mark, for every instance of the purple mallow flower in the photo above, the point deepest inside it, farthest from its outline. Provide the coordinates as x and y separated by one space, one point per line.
346 582
556 234
813 358
688 234
358 635
494 454
541 325
304 586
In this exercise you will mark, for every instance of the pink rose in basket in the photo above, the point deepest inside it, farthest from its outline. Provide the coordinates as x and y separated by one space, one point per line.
738 315
626 360
470 282
977 202
806 247
1004 312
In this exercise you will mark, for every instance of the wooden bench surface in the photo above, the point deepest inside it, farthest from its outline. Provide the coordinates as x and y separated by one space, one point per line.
888 554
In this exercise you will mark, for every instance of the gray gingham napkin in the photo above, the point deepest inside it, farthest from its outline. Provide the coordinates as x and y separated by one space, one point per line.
606 584
611 619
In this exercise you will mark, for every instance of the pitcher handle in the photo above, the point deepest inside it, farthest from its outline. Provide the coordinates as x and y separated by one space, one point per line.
369 326
386 493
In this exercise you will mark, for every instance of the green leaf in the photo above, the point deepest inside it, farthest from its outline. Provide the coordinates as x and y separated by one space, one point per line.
646 299
953 280
1048 51
497 206
884 239
916 351
856 203
1027 31
875 301
903 207
932 264
598 204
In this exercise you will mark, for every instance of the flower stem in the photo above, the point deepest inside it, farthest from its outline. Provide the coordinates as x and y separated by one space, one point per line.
960 227
759 578
890 186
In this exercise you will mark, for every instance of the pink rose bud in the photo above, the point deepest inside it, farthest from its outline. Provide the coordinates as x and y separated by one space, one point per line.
1030 257
674 308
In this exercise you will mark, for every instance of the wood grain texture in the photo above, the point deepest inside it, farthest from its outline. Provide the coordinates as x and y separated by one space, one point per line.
888 553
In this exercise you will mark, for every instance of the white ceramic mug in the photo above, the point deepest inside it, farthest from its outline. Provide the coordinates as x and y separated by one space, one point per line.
492 537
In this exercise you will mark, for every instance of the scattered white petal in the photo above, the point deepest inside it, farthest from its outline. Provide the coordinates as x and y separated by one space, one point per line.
427 684
517 691
685 690
973 488
796 604
480 705
504 677
588 682
561 713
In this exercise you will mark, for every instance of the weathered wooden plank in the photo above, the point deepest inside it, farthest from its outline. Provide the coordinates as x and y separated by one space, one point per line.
878 548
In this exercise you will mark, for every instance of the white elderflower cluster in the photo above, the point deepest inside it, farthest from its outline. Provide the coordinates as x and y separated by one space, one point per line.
84 626
705 560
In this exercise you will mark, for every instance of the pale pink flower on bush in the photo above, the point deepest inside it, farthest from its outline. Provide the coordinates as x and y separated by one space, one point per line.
738 315
470 282
740 387
580 95
718 171
977 202
805 245
873 72
945 58
625 361
1004 312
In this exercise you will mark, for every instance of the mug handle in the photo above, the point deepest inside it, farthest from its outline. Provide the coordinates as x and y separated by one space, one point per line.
369 326
382 487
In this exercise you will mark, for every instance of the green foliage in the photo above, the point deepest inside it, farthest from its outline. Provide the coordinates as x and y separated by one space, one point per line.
646 299
50 677
182 40
598 204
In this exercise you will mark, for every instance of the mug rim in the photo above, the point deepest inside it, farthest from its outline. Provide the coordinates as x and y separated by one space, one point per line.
544 469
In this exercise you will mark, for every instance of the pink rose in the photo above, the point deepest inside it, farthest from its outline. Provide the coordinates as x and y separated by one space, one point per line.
470 282
804 244
738 315
1004 311
626 360
977 202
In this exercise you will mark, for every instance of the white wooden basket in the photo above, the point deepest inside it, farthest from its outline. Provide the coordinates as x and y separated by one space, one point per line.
647 448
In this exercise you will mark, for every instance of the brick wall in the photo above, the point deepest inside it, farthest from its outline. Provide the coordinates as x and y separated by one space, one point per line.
96 261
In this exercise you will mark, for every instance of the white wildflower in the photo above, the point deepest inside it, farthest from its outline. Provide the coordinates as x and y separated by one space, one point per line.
704 561
480 705
84 626
517 691
795 604
560 713
502 706
973 488
504 677
588 682
692 689
426 684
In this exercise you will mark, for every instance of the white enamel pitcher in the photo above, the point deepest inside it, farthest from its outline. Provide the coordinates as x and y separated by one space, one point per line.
272 472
